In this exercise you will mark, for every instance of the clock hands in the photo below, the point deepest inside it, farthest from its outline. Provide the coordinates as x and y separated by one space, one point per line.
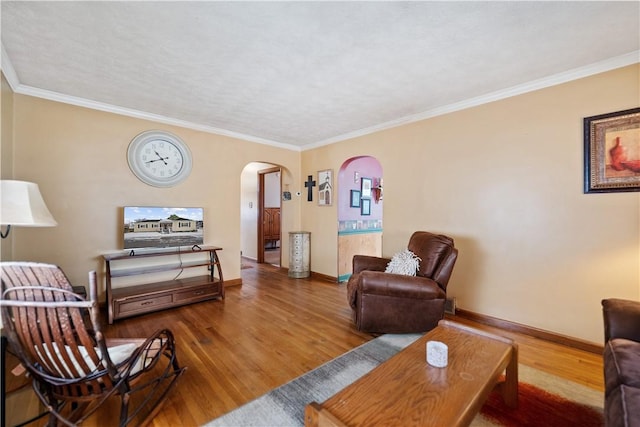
161 158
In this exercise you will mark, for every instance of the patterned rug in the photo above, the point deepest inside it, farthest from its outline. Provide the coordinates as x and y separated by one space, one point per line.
545 400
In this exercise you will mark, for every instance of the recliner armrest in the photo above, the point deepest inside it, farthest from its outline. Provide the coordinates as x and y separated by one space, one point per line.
370 263
621 319
398 285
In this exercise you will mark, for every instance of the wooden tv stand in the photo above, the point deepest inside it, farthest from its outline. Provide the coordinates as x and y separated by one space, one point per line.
132 300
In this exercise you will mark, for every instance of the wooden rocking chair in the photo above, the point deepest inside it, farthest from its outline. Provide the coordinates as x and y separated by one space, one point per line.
56 335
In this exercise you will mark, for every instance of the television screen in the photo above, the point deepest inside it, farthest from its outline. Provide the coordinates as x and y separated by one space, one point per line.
162 227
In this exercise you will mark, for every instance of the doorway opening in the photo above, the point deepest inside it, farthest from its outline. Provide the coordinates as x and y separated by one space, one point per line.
260 214
269 223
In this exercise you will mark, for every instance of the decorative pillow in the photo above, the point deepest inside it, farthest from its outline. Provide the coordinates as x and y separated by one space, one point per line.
404 262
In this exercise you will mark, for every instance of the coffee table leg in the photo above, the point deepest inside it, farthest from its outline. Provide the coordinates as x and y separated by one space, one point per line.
510 386
317 416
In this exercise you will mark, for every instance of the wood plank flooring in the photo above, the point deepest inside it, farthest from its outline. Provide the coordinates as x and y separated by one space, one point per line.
273 329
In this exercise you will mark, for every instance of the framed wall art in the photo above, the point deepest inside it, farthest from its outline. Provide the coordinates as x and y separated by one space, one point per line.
365 207
365 187
325 187
355 199
612 152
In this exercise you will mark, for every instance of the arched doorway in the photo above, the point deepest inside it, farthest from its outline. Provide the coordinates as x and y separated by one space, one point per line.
359 211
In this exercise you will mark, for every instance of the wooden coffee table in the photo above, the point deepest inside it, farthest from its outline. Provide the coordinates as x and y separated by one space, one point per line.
405 390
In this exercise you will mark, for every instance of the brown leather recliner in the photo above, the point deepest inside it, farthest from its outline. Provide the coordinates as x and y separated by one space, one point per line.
394 303
621 362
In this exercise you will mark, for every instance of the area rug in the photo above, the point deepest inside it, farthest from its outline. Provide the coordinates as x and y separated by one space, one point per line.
545 400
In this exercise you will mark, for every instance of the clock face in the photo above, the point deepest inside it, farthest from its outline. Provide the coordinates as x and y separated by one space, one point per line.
159 158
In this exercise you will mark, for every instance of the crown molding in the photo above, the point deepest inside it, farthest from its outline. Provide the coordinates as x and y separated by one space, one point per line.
7 69
109 108
545 82
17 87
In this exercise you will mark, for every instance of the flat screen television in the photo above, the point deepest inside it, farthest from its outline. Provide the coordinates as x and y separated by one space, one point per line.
162 227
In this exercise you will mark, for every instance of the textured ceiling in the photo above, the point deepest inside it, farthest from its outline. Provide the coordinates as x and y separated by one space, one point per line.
303 74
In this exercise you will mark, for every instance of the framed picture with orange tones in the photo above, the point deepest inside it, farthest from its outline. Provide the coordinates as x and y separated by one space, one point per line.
612 152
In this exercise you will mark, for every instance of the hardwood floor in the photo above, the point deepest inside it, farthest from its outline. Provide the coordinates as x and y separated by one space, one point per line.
272 256
273 329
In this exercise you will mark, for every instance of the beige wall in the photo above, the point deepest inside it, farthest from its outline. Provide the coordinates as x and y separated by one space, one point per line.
6 150
505 181
78 158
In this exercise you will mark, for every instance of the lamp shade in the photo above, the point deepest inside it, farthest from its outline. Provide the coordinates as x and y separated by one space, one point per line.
23 206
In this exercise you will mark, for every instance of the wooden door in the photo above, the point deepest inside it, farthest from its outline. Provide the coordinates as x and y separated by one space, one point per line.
271 224
274 223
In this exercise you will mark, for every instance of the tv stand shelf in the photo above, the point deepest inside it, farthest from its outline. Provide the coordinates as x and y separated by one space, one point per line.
132 300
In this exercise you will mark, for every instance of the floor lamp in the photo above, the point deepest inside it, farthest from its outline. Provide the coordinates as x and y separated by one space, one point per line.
22 206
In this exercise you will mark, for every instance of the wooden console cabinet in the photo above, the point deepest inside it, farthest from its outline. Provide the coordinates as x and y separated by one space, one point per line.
134 299
271 225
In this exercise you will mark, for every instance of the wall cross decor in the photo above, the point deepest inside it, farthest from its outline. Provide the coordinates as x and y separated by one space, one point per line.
310 183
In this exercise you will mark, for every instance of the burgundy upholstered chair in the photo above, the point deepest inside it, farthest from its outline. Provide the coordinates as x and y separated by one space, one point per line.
394 303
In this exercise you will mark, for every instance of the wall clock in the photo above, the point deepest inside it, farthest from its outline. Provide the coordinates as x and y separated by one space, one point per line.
159 158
